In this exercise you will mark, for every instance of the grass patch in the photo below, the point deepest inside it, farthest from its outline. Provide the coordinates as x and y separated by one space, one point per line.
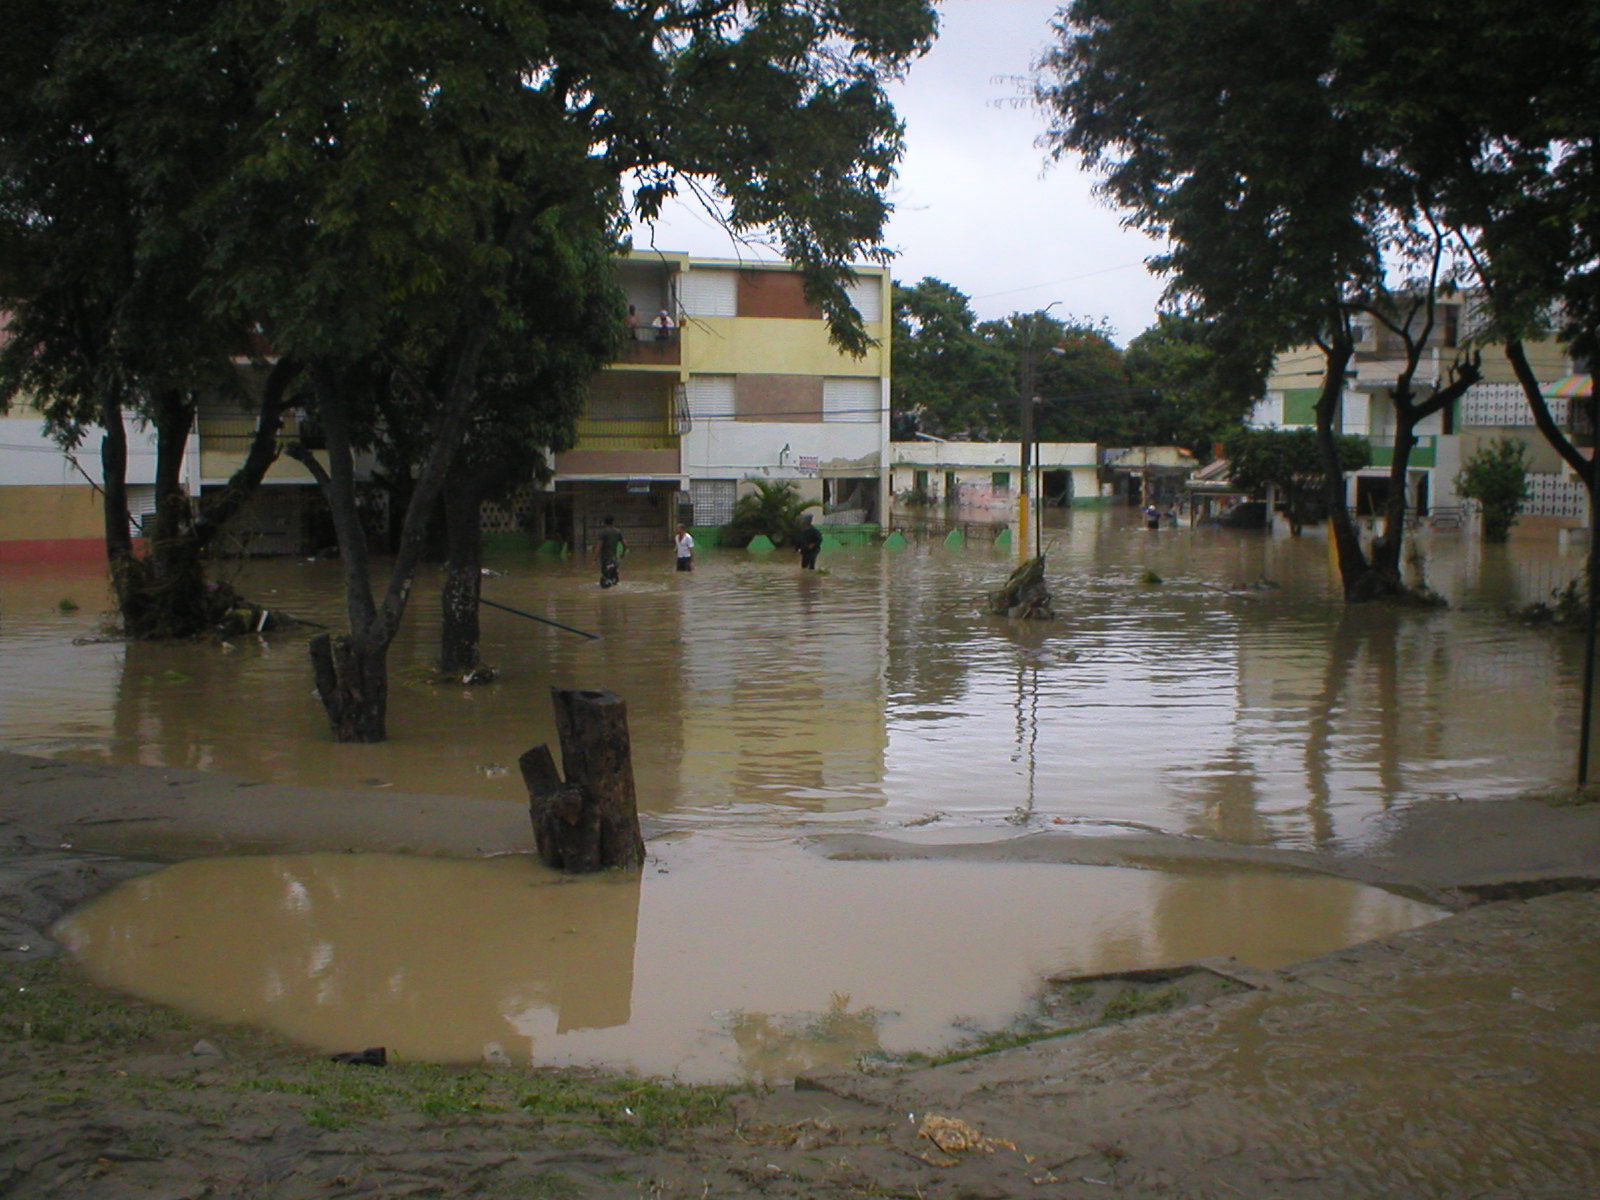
992 1043
632 1112
343 1097
1075 1007
46 1004
46 1001
1136 1002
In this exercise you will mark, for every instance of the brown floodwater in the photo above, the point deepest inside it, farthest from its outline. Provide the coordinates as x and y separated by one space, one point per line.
1204 683
728 958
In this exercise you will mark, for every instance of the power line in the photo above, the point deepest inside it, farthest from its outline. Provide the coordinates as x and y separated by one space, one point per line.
1054 282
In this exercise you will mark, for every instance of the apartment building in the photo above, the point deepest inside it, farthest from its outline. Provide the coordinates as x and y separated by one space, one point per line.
1493 408
728 376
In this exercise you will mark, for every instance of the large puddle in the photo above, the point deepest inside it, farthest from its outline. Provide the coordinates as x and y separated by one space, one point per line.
727 959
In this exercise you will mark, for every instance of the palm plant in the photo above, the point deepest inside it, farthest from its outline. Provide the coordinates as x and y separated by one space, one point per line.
773 508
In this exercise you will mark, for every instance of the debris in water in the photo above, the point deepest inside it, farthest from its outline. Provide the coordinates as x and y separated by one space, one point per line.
957 1137
372 1056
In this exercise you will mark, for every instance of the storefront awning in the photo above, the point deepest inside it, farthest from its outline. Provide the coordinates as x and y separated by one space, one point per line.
1571 388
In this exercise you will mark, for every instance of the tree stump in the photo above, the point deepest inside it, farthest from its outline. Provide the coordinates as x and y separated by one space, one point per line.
1024 594
590 821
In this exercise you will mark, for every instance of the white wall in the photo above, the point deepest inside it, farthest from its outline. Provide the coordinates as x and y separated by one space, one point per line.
30 458
944 456
723 449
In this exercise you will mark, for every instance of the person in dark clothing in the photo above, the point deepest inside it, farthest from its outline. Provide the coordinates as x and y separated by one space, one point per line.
808 541
611 547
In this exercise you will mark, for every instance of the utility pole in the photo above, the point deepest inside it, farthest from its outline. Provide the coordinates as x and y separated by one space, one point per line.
1027 400
1593 569
1023 506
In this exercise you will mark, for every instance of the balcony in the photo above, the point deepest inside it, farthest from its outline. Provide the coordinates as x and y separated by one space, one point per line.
611 433
225 438
648 347
610 446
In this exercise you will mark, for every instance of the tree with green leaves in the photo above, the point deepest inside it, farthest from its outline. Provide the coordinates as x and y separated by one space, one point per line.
947 379
1497 478
1200 388
1259 161
385 181
772 508
399 168
1502 141
110 119
964 380
1289 461
1077 376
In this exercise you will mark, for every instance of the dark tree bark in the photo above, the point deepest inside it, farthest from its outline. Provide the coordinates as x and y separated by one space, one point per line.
463 573
1360 582
357 691
591 821
164 593
1024 595
353 684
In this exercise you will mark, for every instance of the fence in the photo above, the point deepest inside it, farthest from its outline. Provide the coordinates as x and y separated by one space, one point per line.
934 529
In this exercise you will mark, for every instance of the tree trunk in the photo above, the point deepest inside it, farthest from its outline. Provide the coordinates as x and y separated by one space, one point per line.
353 684
1024 593
114 502
591 821
463 576
1386 550
164 594
566 824
1360 582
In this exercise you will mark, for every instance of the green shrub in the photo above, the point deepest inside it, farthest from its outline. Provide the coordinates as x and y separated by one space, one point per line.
1497 478
773 509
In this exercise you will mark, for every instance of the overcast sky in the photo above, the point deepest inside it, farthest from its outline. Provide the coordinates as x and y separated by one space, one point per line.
977 204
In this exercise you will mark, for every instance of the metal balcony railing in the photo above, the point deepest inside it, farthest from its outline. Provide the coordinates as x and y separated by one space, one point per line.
607 433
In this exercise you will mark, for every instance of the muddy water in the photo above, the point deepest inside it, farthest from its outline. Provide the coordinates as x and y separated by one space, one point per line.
1236 699
730 958
880 692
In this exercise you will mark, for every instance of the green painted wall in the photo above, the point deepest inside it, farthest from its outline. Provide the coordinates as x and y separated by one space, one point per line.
1300 406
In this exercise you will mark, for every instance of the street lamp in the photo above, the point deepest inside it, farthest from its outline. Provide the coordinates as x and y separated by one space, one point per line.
1027 400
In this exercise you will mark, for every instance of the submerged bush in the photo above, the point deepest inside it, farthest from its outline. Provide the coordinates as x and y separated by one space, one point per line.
773 509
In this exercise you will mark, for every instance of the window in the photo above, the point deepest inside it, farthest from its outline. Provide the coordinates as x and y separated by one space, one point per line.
1300 406
712 500
866 294
852 400
710 397
710 293
141 509
1000 481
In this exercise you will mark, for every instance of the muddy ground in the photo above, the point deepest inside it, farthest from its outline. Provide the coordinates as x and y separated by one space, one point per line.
1455 1060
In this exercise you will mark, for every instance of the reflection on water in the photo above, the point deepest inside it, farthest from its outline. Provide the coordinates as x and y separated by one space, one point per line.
1236 700
880 693
733 957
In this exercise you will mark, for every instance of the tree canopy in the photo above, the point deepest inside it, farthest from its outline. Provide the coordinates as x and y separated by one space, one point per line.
1290 462
956 377
379 191
1309 165
1197 388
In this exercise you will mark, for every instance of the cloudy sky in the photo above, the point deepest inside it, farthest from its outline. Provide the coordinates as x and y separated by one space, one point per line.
977 203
